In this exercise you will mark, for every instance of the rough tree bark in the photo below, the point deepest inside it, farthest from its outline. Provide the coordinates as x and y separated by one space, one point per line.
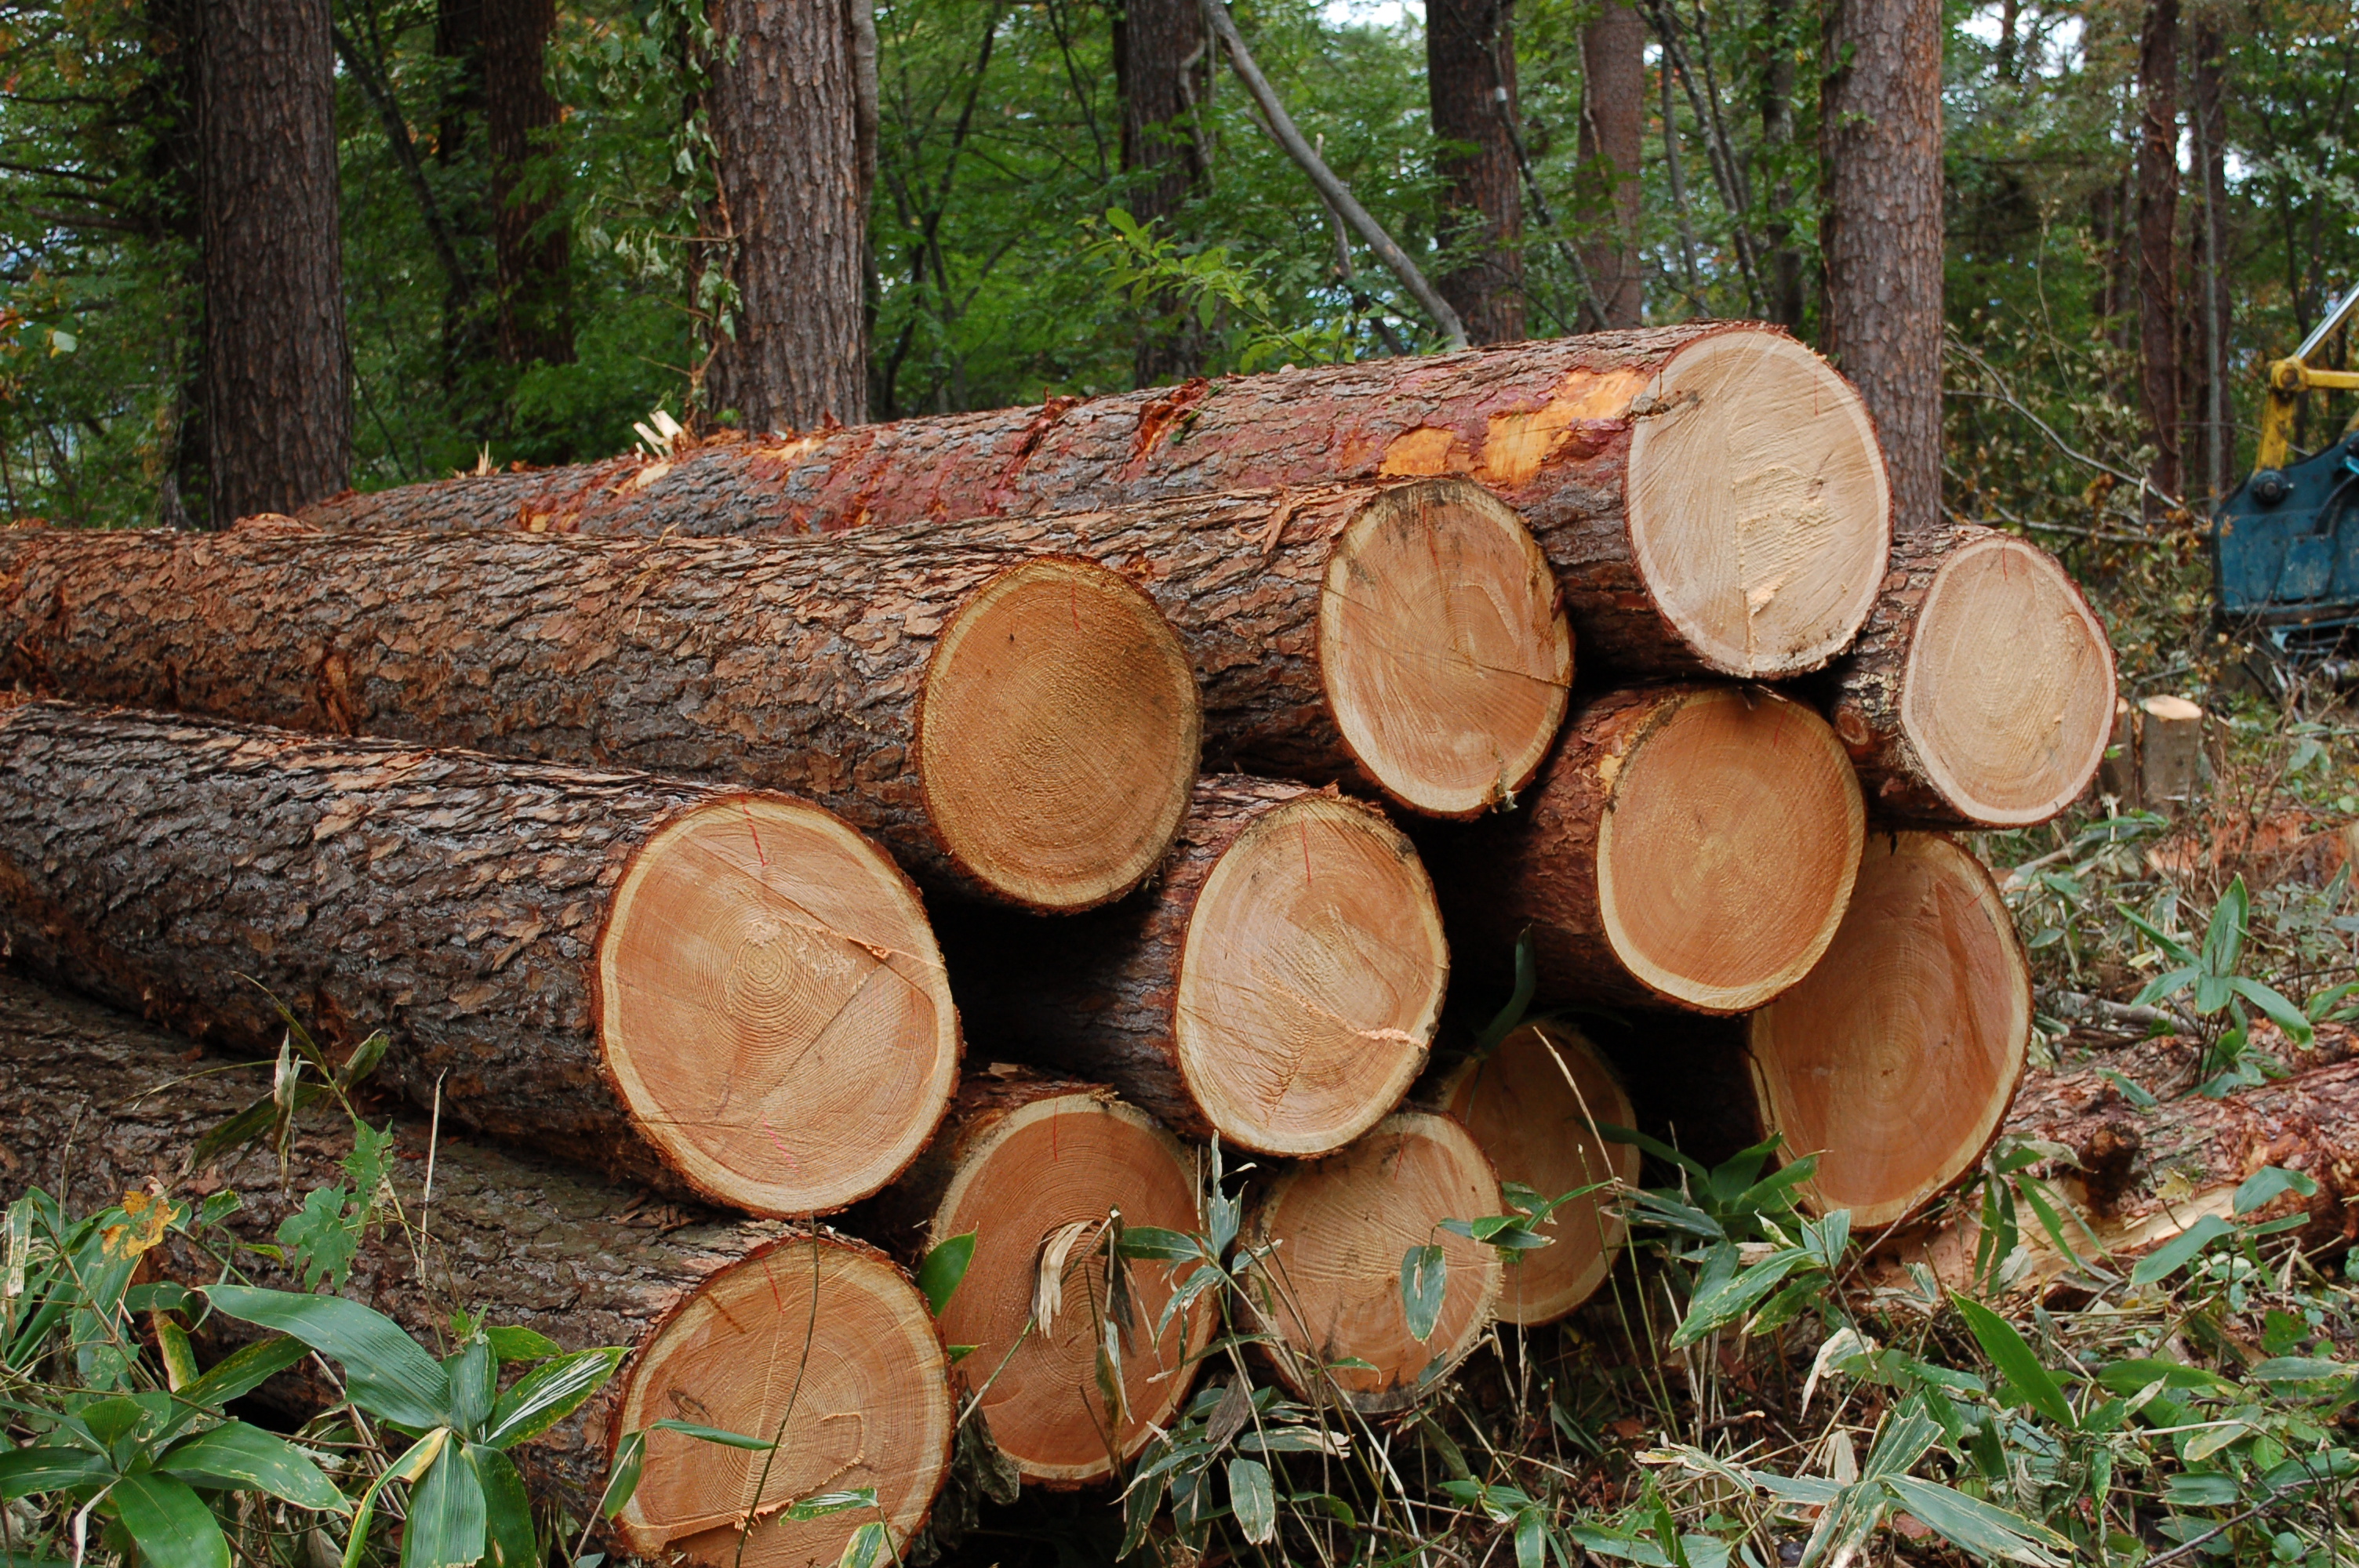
521 1244
1750 462
1278 985
1163 66
277 397
487 914
2215 425
792 204
1470 75
1612 146
1880 142
536 308
804 669
2157 259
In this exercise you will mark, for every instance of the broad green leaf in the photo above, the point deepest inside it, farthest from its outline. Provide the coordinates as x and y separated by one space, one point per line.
513 1344
2266 1182
1531 1539
944 1268
2181 1250
2016 1362
547 1394
823 1504
2168 983
1424 1280
2202 1489
474 1374
508 1533
869 1546
2275 1007
169 1522
1153 1244
235 1457
2299 1369
623 1476
2131 1376
1977 1527
447 1515
712 1434
244 1371
1253 1500
1730 1301
28 1472
2224 941
386 1371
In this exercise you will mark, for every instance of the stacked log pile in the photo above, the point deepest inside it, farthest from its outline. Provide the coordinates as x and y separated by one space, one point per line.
1157 760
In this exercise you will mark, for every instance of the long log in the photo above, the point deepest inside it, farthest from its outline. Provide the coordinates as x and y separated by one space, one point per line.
1278 985
1037 1171
1687 845
1895 1060
1535 1104
1711 495
1010 727
716 1312
715 991
1981 690
1340 1227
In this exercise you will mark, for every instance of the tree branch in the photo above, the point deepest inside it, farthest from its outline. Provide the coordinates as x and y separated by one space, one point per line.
1338 195
405 153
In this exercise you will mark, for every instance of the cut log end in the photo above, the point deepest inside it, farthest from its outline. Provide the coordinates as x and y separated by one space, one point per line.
1058 735
1342 1227
1057 1163
1534 1105
1446 656
772 1006
820 1342
1759 514
1726 857
1311 980
2008 691
1894 1060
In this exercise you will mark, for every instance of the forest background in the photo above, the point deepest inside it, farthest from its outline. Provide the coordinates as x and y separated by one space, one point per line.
994 277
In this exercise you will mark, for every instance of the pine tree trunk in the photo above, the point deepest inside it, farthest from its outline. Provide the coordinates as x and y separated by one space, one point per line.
536 316
1981 690
1688 846
1711 495
710 990
2214 414
99 1106
1881 233
810 669
1278 985
2158 257
1469 74
278 390
1164 71
793 206
1612 145
1779 46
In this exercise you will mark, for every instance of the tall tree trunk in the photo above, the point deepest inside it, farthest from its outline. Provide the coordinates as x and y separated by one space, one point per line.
277 392
1612 144
1162 64
170 207
536 306
1470 73
1881 141
792 204
467 332
2217 427
1777 74
2157 261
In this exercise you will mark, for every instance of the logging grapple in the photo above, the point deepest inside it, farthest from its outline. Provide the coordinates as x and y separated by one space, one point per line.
2284 543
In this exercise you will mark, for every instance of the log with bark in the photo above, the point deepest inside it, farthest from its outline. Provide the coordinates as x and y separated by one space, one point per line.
1895 1060
1405 633
1278 985
1340 1230
1010 726
1689 845
1711 495
1534 1104
721 1314
723 992
1981 691
1039 1172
